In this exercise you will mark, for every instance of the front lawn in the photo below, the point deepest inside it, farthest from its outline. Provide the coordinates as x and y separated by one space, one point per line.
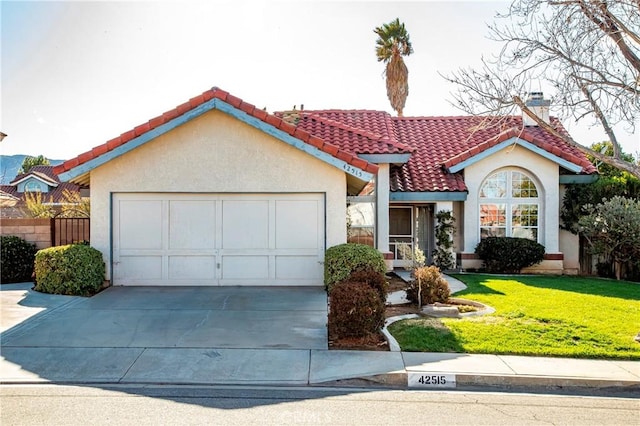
535 315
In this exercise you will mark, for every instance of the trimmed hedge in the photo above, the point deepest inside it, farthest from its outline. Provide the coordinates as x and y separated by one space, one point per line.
434 287
74 269
508 255
16 258
374 279
355 310
343 260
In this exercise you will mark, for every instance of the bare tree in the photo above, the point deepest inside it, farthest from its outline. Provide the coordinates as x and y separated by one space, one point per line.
586 51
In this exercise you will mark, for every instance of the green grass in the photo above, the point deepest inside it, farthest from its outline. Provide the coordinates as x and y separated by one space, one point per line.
536 315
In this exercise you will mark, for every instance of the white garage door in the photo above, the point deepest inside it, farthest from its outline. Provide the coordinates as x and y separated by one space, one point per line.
218 239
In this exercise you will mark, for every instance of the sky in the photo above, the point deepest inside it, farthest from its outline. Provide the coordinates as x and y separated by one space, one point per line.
76 74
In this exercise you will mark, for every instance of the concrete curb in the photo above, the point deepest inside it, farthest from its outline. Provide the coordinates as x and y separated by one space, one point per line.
468 381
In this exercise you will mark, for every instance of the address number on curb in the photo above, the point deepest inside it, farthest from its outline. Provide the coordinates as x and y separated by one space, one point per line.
431 380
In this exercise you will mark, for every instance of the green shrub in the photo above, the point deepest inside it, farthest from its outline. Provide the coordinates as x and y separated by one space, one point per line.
374 279
343 260
508 255
355 310
16 258
443 256
74 269
434 288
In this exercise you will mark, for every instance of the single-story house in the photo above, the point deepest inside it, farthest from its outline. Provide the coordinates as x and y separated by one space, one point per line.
219 192
39 179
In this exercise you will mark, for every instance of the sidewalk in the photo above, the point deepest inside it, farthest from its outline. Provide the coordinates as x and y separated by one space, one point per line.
120 364
305 367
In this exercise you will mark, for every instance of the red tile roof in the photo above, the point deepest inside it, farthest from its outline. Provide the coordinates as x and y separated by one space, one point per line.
238 103
43 172
46 173
436 143
361 132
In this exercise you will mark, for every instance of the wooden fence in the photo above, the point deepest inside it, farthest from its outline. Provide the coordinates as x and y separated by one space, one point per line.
47 232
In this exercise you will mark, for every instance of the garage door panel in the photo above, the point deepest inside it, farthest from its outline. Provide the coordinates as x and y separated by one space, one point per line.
245 224
297 267
296 224
140 224
199 231
140 268
192 267
245 267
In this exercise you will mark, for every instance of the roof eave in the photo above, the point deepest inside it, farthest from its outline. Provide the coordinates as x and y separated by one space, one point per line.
79 174
572 167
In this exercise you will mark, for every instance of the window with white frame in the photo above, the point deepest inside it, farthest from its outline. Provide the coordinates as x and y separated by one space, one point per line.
361 220
509 206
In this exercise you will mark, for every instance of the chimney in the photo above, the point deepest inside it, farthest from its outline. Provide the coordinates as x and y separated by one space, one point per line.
539 106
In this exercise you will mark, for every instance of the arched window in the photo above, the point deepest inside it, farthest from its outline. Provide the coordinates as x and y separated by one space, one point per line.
32 186
509 206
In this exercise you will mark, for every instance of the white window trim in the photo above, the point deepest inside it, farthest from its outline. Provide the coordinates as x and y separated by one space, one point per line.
510 201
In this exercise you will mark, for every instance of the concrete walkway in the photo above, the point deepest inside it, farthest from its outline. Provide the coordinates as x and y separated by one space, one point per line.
56 361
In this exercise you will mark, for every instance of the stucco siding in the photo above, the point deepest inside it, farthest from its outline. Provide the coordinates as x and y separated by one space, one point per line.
215 153
543 171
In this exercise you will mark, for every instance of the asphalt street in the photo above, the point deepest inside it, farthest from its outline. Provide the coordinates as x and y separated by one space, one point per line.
153 405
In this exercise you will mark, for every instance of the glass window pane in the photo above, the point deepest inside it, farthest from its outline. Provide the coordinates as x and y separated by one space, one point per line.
361 235
522 186
493 214
493 231
524 214
361 214
495 186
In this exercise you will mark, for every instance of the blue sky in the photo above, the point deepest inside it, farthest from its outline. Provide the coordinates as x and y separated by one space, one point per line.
75 74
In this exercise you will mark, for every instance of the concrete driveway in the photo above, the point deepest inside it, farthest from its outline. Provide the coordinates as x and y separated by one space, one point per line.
167 317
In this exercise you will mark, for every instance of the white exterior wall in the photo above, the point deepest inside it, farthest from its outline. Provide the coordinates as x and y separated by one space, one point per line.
215 153
382 207
569 245
543 171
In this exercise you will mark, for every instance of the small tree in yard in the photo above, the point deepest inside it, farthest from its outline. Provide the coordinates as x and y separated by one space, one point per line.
613 230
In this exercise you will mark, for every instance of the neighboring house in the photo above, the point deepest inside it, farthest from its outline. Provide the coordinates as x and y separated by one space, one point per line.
218 192
40 179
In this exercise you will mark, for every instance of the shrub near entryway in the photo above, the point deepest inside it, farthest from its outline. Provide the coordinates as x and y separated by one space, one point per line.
356 310
16 258
74 269
341 261
508 255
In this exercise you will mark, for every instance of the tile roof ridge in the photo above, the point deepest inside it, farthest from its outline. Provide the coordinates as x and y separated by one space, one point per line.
389 138
341 125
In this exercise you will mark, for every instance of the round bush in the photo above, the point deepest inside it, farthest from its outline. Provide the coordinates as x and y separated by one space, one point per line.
434 287
343 260
508 255
74 269
355 310
16 258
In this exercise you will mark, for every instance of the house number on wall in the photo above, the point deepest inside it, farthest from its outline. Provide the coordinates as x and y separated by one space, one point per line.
352 170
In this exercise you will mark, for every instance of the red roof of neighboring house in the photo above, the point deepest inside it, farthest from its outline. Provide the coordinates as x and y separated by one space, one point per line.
47 174
235 102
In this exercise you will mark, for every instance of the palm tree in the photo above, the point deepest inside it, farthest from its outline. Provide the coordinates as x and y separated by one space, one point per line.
392 44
